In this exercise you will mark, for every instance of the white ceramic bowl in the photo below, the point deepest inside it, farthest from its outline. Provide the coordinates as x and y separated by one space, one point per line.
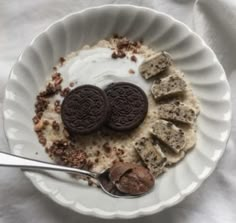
161 32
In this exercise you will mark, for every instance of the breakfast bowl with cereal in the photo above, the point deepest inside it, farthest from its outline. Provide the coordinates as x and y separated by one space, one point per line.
122 88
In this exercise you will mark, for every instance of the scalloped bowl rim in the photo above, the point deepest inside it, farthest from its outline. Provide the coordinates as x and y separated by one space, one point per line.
142 211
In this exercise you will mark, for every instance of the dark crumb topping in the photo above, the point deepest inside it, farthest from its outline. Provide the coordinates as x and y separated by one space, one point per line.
65 153
55 126
118 54
74 158
117 36
106 147
131 71
35 119
62 60
41 105
123 45
42 140
65 92
133 58
57 106
72 84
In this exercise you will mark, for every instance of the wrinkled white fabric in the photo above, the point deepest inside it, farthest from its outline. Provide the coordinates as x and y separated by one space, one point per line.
214 20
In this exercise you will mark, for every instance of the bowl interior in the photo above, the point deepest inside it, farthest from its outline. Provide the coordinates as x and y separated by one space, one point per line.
158 31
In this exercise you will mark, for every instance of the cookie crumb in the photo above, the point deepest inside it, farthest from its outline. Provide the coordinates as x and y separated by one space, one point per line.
55 126
42 140
72 84
62 60
65 92
133 58
106 147
131 71
35 119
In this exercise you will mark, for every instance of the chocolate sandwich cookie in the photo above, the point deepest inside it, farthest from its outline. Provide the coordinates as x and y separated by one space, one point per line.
84 109
128 104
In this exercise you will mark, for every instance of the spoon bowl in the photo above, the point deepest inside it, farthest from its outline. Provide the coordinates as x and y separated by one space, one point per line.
9 160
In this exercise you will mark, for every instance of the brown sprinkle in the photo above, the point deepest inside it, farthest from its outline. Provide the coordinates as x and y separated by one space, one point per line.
45 122
114 161
55 76
74 158
62 60
39 133
55 126
42 140
47 149
35 119
116 36
72 84
114 55
123 44
66 154
121 54
40 114
57 103
58 81
65 92
131 71
106 147
40 106
58 88
121 160
133 58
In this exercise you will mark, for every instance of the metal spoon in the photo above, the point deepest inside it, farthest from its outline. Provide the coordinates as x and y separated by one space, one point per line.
10 160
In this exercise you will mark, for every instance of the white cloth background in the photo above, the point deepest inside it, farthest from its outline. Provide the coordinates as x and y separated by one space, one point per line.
214 20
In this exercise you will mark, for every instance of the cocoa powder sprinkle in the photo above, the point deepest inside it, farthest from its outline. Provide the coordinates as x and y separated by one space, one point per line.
55 126
62 60
133 58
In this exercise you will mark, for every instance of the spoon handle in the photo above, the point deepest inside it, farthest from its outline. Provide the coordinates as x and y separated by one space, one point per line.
10 160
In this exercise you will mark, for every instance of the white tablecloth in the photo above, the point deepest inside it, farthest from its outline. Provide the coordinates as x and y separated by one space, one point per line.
214 20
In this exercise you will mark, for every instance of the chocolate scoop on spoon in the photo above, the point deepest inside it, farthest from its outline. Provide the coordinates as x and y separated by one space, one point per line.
121 180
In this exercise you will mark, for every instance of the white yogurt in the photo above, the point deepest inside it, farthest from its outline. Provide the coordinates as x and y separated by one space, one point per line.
96 66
